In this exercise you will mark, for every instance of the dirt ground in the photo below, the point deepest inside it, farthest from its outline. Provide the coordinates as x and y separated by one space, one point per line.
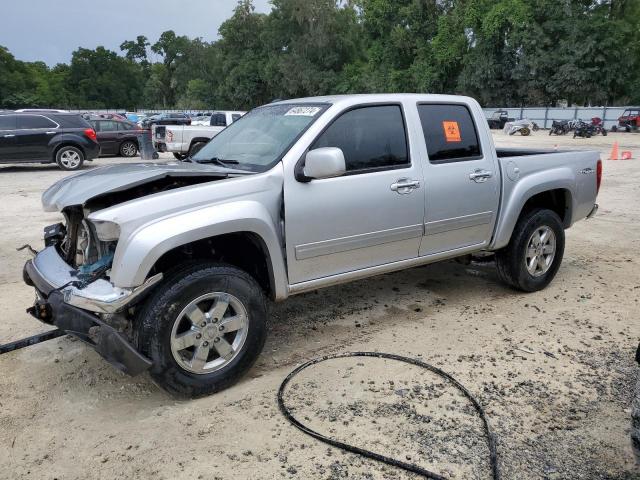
554 369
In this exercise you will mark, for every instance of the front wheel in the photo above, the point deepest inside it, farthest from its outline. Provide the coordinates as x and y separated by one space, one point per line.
69 158
203 329
533 256
179 156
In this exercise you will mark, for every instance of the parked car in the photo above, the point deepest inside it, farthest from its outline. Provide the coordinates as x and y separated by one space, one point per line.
184 141
117 137
177 260
498 119
64 138
166 119
629 120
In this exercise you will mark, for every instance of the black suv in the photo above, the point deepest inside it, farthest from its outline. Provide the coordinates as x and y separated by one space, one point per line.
64 138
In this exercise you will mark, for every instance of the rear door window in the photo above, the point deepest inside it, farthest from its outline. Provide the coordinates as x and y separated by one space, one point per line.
449 132
218 120
108 126
26 122
8 122
371 138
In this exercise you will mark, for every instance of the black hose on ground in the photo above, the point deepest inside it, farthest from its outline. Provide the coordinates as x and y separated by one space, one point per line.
410 467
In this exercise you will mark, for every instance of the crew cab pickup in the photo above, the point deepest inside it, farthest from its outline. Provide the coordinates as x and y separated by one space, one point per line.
168 267
186 140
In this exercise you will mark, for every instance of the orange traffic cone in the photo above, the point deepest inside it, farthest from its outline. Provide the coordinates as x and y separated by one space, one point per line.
614 152
626 155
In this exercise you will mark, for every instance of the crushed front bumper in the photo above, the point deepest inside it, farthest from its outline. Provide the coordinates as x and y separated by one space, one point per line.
48 272
64 301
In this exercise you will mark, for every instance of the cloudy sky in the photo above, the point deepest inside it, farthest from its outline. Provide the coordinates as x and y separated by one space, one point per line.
49 30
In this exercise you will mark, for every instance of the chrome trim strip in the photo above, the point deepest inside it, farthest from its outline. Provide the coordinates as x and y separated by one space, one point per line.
456 223
309 285
354 242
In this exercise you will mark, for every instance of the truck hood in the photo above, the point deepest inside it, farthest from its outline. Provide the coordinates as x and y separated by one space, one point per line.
82 187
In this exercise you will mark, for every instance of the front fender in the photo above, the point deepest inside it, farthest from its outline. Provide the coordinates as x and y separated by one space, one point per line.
139 251
514 200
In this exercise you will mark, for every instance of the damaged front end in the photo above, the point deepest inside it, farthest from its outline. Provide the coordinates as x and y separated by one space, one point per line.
74 292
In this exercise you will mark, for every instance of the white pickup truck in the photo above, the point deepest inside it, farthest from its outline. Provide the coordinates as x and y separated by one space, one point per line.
167 267
185 140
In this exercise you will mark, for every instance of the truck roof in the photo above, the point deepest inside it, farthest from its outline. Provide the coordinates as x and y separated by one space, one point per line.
377 97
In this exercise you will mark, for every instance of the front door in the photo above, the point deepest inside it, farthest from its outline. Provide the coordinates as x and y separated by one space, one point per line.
33 134
370 216
462 181
8 149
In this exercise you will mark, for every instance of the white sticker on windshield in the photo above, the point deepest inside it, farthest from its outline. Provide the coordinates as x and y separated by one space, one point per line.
304 111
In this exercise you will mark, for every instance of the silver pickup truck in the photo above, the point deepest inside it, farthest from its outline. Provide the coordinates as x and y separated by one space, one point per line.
186 140
168 267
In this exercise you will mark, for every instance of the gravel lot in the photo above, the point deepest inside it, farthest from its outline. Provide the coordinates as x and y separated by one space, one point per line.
554 369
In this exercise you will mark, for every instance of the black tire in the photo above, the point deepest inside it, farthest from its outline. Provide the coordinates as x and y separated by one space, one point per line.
157 316
604 132
551 131
614 129
525 132
64 156
511 260
635 419
179 156
128 149
195 148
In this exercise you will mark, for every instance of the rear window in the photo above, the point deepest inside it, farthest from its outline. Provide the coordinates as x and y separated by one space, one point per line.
71 121
26 122
449 133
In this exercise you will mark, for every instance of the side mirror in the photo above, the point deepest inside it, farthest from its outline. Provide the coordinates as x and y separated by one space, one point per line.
326 162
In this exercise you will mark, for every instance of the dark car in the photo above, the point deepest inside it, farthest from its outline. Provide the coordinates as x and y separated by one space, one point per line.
117 137
166 119
64 138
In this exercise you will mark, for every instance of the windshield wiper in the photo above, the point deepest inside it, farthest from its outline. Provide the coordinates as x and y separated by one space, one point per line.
219 161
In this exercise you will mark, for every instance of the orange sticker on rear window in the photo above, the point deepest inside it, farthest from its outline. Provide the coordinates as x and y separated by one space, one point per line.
451 131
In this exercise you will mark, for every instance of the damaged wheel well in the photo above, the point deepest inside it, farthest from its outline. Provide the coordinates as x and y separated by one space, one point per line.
244 250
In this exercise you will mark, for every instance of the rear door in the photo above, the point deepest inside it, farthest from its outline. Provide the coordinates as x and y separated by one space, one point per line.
370 216
33 134
108 136
461 177
8 146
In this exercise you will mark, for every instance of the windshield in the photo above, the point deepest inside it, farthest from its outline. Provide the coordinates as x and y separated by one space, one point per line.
259 139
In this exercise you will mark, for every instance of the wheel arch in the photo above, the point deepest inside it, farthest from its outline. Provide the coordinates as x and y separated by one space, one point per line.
554 195
241 233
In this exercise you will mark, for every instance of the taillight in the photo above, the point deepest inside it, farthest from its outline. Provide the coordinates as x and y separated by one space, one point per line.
91 134
598 175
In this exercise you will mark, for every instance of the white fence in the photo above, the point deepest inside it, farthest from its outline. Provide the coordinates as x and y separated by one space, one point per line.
544 116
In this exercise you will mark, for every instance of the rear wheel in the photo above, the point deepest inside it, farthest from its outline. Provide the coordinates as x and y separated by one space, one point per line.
69 158
203 329
533 256
128 149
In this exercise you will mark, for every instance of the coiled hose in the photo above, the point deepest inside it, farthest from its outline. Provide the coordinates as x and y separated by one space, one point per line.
410 467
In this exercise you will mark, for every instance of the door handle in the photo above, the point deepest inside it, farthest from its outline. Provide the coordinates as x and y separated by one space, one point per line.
9 136
50 133
404 186
480 176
